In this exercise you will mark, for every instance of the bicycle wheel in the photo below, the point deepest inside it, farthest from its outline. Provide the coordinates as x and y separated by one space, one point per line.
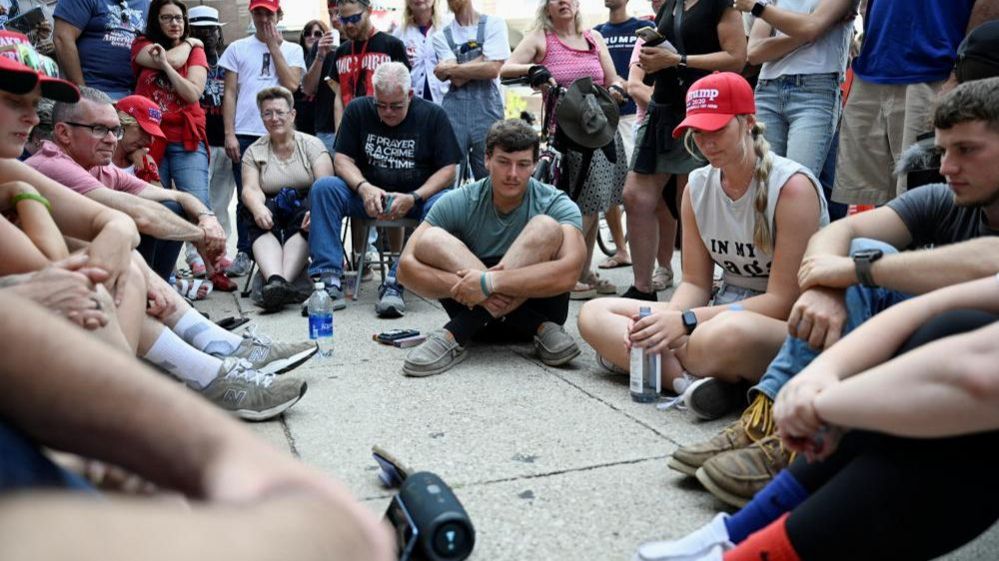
604 239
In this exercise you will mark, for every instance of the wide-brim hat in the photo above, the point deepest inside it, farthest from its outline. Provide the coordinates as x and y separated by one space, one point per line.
203 16
714 100
587 114
22 68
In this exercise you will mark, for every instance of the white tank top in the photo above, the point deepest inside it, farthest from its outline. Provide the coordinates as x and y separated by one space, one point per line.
726 226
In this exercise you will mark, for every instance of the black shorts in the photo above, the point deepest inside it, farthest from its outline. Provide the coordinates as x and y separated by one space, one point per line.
288 208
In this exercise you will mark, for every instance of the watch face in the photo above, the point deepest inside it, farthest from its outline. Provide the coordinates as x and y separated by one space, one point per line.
868 255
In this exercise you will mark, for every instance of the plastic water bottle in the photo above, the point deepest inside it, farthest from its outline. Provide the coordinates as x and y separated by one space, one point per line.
644 382
321 320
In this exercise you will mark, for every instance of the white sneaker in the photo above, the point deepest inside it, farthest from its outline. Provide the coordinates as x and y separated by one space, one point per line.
706 543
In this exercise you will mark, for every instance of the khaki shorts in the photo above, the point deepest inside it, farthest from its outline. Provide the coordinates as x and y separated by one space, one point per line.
879 122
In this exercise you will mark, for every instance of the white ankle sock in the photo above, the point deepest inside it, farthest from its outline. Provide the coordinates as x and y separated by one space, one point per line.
206 335
172 354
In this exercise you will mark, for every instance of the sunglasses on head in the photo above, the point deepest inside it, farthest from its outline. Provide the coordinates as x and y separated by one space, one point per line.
351 20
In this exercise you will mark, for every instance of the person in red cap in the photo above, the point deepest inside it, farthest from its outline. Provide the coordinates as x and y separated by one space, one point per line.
253 64
749 212
140 118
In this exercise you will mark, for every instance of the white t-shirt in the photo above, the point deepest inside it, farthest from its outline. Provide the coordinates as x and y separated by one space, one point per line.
422 59
827 54
496 46
251 60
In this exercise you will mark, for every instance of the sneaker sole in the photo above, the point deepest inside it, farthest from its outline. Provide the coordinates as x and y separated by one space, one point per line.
712 400
721 494
560 360
424 373
686 469
282 365
583 294
271 412
390 312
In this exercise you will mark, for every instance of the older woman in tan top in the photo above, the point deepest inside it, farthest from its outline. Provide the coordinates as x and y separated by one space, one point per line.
278 170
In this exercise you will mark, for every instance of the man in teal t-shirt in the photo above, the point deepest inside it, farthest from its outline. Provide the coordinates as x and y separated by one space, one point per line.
501 255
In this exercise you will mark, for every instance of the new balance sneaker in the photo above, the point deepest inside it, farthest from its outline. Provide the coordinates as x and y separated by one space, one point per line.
435 355
554 346
755 424
736 476
240 266
269 357
699 544
390 303
252 395
711 398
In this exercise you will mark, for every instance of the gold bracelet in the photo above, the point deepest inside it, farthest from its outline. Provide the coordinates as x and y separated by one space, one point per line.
31 197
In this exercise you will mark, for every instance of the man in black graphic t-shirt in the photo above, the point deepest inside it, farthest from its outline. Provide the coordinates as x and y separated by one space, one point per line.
395 154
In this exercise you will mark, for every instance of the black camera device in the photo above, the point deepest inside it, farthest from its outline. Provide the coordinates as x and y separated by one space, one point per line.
430 523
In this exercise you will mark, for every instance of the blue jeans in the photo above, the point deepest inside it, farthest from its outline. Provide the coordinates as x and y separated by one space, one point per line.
161 255
800 112
330 200
187 170
329 140
242 234
862 303
23 466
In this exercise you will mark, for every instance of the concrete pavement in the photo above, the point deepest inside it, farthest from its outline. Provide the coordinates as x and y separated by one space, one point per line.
551 463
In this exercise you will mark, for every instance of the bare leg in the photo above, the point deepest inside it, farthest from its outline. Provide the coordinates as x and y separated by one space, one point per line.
294 526
642 194
444 255
591 227
538 242
733 346
132 310
267 253
604 322
667 234
616 227
296 254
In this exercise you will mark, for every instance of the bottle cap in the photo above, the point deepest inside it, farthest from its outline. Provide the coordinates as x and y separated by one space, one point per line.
320 286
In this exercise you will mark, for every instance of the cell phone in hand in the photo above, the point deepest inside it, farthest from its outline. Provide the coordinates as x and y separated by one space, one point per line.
649 35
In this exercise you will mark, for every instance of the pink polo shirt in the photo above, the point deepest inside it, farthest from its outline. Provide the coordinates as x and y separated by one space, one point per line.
53 162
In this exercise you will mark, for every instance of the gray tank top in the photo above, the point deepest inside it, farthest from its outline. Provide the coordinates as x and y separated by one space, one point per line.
726 225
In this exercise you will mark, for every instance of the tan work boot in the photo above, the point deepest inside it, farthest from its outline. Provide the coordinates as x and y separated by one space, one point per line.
736 476
756 423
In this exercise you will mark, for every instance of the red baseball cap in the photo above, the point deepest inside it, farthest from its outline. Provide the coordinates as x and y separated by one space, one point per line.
270 5
713 100
22 68
143 110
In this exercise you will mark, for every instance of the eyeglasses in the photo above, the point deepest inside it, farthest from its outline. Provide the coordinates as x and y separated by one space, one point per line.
390 106
168 18
271 113
100 131
354 19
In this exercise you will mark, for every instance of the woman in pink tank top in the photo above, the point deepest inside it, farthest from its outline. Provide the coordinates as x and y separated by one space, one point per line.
559 43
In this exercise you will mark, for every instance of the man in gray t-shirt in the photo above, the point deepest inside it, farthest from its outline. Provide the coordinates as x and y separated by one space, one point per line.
501 255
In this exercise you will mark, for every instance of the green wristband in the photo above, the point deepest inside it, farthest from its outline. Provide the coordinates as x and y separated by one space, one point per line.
31 197
482 284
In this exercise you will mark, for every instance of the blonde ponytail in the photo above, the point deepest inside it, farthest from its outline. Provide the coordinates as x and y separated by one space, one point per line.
763 235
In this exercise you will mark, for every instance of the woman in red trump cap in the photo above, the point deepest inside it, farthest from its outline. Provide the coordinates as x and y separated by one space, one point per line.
750 212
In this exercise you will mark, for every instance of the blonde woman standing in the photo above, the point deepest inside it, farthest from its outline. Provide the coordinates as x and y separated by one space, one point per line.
750 212
420 21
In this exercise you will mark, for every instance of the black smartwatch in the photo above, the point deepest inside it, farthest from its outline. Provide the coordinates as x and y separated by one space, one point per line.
683 61
689 321
417 199
758 8
862 261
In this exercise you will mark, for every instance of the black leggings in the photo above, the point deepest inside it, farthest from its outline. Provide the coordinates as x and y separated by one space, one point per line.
882 497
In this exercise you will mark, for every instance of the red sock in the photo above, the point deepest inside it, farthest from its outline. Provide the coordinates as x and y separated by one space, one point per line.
769 544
